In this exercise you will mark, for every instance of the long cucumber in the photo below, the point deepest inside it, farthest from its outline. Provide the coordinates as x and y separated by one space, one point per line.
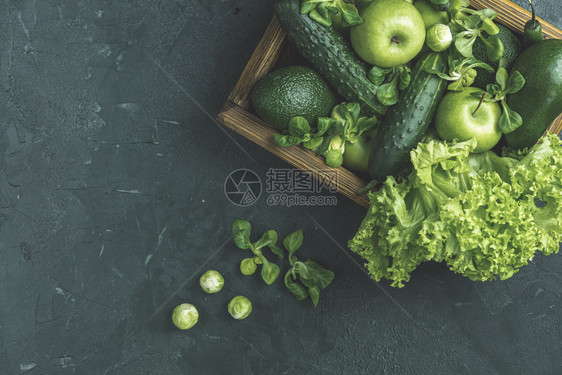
406 122
330 55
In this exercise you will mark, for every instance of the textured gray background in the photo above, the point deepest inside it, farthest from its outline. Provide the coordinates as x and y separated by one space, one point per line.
111 200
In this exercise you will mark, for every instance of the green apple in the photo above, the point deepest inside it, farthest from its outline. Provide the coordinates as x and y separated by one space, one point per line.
392 33
430 13
356 155
458 118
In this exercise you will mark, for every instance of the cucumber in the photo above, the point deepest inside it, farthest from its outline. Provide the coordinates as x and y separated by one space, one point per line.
330 55
407 121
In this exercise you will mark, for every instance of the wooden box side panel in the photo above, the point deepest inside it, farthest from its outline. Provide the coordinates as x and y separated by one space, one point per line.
262 61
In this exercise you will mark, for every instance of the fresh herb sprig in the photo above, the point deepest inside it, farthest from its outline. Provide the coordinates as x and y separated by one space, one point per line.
304 279
390 81
322 11
300 132
270 271
462 71
497 92
468 24
331 134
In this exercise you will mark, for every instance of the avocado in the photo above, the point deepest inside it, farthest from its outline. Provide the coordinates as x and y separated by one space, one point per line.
289 92
512 49
539 102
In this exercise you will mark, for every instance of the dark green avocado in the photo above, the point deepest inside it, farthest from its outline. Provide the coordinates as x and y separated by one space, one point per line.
540 101
289 92
512 49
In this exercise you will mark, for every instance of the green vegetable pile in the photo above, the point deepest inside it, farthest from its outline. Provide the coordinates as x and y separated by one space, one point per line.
484 215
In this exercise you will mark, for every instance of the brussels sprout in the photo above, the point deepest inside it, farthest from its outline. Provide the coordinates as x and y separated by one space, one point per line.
185 316
240 307
439 37
211 281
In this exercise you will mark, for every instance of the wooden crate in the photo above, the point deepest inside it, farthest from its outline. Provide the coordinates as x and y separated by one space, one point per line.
236 115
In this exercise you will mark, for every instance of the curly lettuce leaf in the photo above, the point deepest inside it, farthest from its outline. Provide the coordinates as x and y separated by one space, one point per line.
478 213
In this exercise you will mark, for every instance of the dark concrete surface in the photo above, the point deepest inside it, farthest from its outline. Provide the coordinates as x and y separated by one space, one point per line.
112 205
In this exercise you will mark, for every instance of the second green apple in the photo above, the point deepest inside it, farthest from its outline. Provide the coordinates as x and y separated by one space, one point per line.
460 116
392 33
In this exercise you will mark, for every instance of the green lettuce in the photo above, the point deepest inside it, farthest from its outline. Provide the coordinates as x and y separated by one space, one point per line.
484 215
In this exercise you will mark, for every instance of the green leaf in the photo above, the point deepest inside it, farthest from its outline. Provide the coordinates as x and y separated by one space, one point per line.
458 4
248 266
321 15
509 120
309 283
294 140
364 124
490 27
325 145
269 272
282 140
297 289
322 276
293 242
241 230
486 13
464 44
349 13
501 78
314 295
324 124
313 143
439 2
334 158
377 75
494 48
353 109
301 269
515 82
276 250
405 78
298 126
267 239
257 260
387 94
309 5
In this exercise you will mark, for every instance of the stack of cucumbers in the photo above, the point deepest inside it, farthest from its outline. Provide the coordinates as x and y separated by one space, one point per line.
411 93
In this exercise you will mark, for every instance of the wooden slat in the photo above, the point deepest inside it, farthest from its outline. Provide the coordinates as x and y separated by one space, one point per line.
556 126
514 17
259 132
236 117
262 61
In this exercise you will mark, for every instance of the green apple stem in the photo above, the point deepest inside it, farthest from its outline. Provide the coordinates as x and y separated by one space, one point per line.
479 104
394 40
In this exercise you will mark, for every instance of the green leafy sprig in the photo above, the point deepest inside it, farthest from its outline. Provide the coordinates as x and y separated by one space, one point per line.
462 71
304 279
322 11
497 92
468 24
300 132
328 139
270 271
390 81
